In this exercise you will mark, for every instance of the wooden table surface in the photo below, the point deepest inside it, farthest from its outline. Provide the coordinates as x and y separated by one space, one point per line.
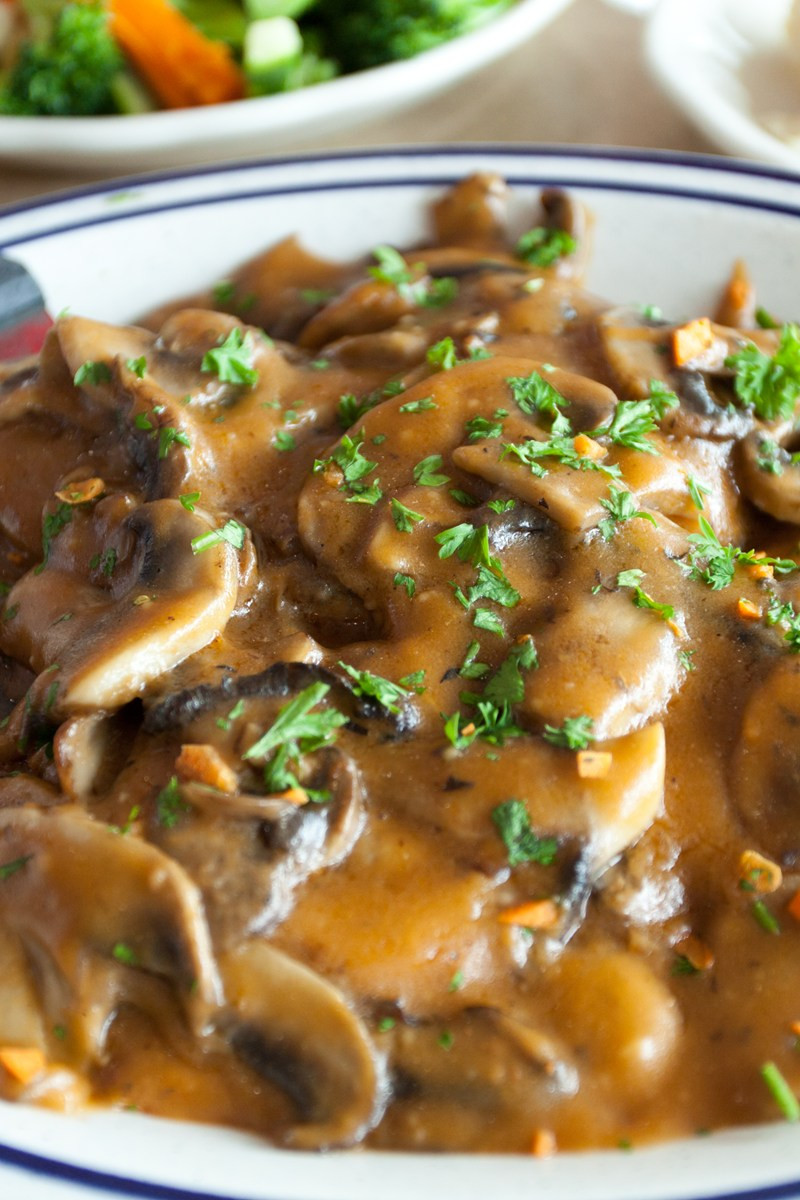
582 80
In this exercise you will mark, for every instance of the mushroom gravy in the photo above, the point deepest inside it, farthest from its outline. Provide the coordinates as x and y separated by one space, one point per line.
401 705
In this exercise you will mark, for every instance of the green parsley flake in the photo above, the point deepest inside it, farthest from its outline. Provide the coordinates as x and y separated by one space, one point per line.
632 579
632 420
780 1091
92 372
697 490
575 734
715 564
770 386
124 953
542 247
534 394
405 581
10 868
389 695
283 441
404 518
513 823
427 473
417 406
232 532
189 500
621 507
137 365
232 360
170 804
297 730
443 355
52 525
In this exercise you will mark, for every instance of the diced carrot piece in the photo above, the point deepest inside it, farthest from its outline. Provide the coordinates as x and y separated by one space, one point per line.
534 914
543 1143
696 952
295 795
759 873
594 764
747 610
205 764
23 1063
181 65
81 492
588 448
793 907
692 340
761 571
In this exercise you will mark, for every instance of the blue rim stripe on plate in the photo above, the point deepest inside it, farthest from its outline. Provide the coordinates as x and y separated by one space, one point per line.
710 163
122 1185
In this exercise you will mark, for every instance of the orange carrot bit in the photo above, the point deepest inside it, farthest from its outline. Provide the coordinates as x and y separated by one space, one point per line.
295 795
760 571
543 1143
588 448
594 764
23 1063
469 729
205 764
81 492
696 952
793 907
180 64
534 914
692 340
747 610
794 1027
759 874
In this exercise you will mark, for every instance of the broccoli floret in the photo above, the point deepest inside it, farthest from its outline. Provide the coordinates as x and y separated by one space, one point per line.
366 33
68 74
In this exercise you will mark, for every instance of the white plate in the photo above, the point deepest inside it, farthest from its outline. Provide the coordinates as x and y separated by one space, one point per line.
725 63
223 132
666 233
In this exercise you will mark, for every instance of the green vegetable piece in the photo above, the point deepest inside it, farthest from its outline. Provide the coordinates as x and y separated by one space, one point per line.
232 360
513 823
575 734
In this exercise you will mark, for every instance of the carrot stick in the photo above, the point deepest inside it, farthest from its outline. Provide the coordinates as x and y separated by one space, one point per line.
182 66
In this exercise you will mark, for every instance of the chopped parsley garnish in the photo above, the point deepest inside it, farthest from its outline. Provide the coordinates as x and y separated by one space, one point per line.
469 542
492 585
621 507
232 532
484 427
354 467
236 712
445 1040
697 490
410 282
352 408
632 420
10 868
137 365
10 613
470 667
561 447
427 472
765 917
404 518
535 394
485 619
232 360
405 581
415 681
389 695
780 1091
124 953
317 295
52 525
770 386
189 500
465 499
168 436
682 966
513 823
541 247
170 805
685 658
106 561
92 372
507 685
501 506
297 730
416 406
715 564
283 441
456 982
443 354
765 319
385 1024
575 734
785 615
633 579
768 458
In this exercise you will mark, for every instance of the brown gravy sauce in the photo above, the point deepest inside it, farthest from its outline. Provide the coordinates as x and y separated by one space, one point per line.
409 920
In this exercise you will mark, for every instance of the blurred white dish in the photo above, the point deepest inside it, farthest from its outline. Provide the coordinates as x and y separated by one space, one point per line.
726 64
667 230
223 132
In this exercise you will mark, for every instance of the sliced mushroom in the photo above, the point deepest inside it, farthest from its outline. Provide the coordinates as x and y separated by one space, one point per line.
474 212
297 1030
163 604
765 767
769 476
88 903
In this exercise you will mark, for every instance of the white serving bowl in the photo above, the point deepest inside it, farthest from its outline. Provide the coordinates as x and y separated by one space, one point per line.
667 230
264 125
